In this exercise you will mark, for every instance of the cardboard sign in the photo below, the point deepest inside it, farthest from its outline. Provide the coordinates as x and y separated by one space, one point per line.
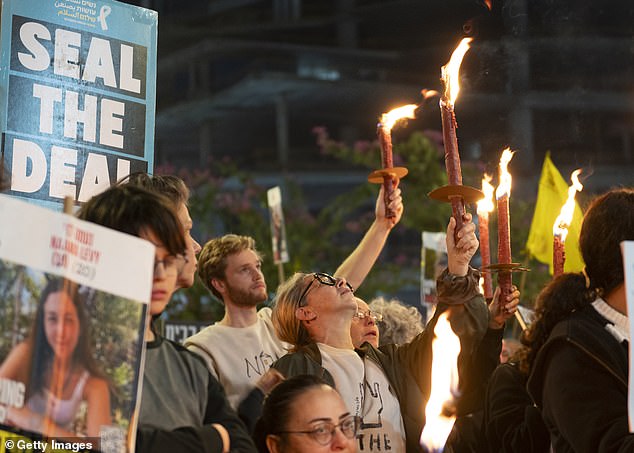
74 300
77 102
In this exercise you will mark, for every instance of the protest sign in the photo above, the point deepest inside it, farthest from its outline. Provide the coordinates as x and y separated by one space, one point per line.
627 249
75 298
77 96
278 229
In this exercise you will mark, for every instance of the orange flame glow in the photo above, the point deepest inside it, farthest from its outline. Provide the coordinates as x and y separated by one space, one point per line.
428 93
450 73
562 223
504 188
486 204
444 383
389 119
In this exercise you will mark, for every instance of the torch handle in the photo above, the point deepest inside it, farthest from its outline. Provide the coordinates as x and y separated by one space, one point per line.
505 282
457 210
388 189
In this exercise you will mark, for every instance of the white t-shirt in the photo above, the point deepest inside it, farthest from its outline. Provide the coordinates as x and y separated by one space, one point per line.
366 392
238 356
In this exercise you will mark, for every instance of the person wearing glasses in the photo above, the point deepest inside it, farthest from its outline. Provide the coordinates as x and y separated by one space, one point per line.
398 323
183 408
240 348
304 414
364 325
388 387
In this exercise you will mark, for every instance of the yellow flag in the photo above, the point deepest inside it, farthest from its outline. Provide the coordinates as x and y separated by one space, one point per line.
551 196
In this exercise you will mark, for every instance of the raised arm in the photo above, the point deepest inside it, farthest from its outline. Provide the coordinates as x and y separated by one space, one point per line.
359 263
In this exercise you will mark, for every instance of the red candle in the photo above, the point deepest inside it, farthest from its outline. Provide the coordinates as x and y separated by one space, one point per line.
505 281
452 159
559 255
450 77
485 206
485 252
385 139
384 132
562 223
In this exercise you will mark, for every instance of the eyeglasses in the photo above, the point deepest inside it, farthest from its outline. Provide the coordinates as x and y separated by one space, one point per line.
324 432
378 317
324 279
172 264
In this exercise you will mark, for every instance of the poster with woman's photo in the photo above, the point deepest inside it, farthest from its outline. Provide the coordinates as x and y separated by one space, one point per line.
74 298
278 230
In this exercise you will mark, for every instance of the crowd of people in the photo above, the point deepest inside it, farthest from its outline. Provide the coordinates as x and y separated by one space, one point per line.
323 370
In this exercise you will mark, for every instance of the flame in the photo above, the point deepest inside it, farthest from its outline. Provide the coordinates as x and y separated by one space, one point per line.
486 204
428 93
390 118
489 4
504 188
450 73
562 223
444 382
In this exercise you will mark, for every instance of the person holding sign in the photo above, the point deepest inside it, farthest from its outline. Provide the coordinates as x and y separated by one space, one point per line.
578 343
183 407
62 372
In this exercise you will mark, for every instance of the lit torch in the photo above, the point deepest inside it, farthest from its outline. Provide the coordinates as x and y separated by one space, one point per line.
562 223
454 192
387 174
444 384
503 193
485 207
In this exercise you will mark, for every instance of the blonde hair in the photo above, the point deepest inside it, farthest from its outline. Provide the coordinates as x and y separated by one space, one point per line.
401 323
212 261
287 327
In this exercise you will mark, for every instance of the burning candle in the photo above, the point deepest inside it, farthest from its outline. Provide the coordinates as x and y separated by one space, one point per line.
444 384
450 77
384 132
562 223
485 207
503 193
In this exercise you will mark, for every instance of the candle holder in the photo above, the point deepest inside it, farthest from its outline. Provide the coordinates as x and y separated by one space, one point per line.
377 176
505 267
386 177
447 193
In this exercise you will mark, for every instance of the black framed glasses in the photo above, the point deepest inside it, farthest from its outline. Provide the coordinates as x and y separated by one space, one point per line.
324 279
324 432
378 317
172 264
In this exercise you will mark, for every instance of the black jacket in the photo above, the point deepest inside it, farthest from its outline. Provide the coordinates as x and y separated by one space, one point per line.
579 380
513 424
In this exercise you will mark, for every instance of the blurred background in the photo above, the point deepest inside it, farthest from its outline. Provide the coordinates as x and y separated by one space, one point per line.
253 94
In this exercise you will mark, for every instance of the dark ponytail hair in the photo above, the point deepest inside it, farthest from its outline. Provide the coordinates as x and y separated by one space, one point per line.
608 221
565 294
278 407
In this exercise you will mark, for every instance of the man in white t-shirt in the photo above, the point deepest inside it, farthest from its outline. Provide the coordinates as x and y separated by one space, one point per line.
387 387
240 348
